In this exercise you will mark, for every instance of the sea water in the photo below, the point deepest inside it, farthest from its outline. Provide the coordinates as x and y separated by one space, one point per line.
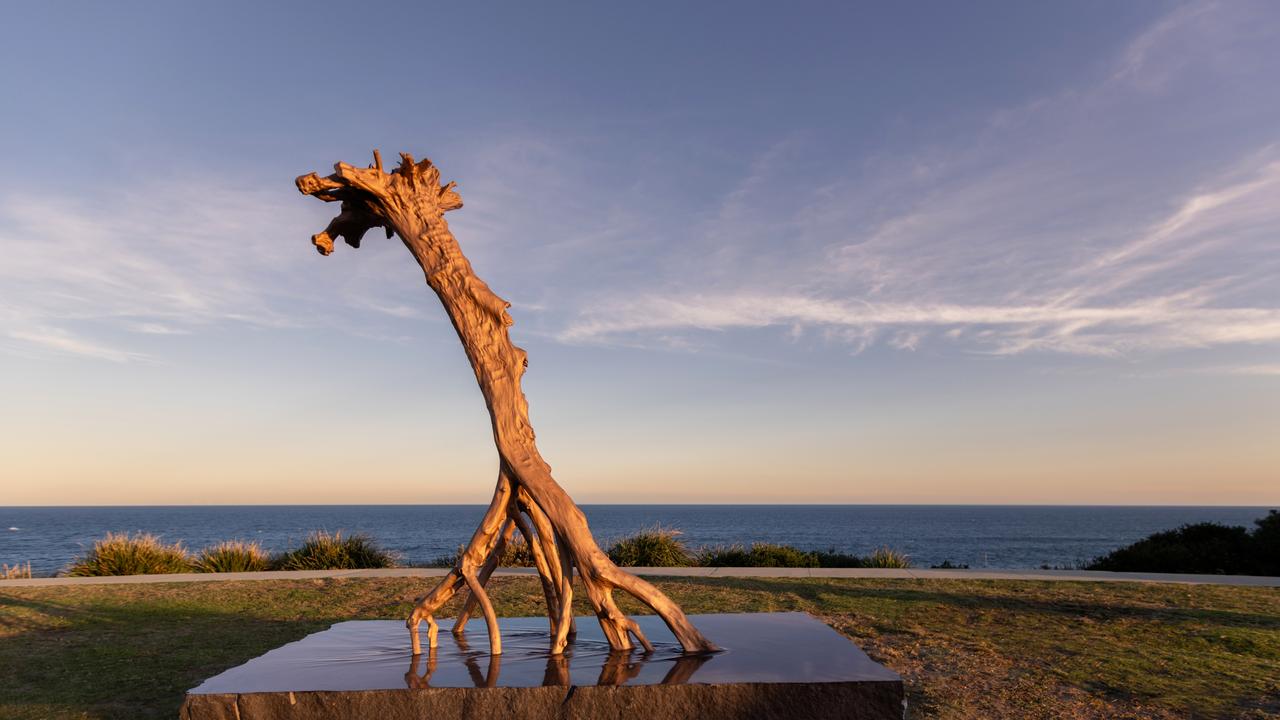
980 536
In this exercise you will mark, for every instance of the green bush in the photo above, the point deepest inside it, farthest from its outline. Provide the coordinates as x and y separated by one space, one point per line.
232 556
723 556
758 555
124 554
1208 548
770 555
653 547
325 551
1266 544
832 559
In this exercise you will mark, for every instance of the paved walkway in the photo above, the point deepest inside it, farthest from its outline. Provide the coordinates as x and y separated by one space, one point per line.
913 574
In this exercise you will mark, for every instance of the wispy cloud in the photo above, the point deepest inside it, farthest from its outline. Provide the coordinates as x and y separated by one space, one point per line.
61 341
1272 369
1048 231
1135 62
1158 324
95 278
1074 308
151 328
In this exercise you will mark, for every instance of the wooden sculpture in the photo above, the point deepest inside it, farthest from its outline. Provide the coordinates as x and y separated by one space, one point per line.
410 202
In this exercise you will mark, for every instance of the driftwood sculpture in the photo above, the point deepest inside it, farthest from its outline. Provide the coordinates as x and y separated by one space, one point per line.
410 202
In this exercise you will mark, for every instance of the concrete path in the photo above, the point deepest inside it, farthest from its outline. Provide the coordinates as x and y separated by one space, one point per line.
912 574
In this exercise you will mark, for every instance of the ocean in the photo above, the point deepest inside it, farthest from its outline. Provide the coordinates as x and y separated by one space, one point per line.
981 536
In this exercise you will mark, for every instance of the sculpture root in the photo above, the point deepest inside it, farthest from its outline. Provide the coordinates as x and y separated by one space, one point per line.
514 509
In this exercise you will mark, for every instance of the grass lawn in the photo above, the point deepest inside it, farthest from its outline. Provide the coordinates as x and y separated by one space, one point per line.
968 648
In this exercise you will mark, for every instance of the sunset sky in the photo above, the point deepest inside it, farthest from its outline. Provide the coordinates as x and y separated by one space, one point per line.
853 253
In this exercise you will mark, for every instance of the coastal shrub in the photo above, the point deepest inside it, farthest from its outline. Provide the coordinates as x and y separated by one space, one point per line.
886 557
1266 544
652 547
124 554
325 551
15 572
830 558
440 561
758 555
515 554
771 555
723 556
1210 548
232 556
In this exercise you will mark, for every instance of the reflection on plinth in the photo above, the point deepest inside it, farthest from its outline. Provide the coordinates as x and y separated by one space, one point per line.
774 665
619 668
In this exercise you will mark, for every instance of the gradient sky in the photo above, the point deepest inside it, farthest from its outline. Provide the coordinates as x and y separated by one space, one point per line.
858 253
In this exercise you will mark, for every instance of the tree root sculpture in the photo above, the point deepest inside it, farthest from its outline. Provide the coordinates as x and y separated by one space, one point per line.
410 202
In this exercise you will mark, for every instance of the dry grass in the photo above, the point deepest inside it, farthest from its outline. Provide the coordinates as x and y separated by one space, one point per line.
967 648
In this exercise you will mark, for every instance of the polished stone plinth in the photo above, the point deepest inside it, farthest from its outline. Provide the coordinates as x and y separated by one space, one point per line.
774 665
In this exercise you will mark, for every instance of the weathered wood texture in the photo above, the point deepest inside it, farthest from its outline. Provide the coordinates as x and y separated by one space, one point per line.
410 202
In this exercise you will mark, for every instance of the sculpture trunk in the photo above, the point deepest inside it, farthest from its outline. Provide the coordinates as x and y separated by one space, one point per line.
411 203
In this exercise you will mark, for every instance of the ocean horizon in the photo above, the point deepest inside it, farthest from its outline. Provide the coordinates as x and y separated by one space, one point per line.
980 536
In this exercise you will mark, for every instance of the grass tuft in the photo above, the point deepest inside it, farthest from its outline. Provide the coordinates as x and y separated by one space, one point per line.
125 554
652 547
335 551
15 572
886 557
232 556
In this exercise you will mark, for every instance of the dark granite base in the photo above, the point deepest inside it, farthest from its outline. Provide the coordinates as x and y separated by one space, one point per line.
775 665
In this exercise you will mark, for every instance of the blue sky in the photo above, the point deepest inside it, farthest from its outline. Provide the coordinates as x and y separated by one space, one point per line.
934 252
